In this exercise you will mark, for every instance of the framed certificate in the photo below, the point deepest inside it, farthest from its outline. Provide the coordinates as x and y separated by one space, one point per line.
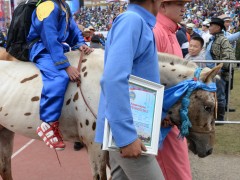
146 100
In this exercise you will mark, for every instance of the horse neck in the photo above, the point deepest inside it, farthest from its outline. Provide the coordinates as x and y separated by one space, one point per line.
172 73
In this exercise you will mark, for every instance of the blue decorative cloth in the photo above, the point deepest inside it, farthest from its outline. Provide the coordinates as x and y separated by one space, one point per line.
173 94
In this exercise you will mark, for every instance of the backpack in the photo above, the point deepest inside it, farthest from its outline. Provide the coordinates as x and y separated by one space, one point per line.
17 44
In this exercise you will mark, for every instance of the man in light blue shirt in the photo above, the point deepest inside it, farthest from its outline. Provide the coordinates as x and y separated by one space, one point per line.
130 49
231 37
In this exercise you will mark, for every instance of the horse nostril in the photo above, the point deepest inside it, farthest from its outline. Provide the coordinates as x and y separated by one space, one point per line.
209 151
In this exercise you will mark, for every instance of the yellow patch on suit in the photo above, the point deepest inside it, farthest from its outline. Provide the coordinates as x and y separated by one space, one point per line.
44 10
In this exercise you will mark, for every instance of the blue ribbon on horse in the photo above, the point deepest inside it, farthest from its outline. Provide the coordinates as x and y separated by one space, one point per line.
173 94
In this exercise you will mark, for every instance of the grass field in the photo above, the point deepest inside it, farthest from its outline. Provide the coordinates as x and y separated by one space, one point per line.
228 136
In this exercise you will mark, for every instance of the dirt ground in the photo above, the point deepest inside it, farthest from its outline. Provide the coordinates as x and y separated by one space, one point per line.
215 167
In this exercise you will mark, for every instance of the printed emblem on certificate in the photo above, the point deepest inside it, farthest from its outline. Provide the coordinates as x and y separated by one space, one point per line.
146 100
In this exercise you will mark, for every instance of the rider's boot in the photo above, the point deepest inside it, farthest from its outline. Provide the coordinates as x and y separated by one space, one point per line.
50 134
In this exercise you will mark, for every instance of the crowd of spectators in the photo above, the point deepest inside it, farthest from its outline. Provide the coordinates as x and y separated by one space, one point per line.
200 10
101 17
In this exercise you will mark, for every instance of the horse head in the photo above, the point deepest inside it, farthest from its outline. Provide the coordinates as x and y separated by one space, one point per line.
202 107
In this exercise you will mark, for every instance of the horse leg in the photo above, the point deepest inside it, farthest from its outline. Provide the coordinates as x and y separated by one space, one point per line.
98 161
6 148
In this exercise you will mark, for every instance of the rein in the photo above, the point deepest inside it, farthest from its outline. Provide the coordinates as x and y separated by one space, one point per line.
79 85
205 132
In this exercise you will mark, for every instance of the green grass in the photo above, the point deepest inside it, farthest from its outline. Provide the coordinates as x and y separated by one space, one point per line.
228 135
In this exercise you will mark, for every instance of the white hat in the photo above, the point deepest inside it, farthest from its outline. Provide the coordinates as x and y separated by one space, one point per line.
190 26
205 23
91 28
225 17
86 30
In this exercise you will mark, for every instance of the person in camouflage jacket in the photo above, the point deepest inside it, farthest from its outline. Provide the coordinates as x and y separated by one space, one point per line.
220 49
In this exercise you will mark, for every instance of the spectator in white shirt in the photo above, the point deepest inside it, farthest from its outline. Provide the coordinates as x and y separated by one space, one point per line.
205 34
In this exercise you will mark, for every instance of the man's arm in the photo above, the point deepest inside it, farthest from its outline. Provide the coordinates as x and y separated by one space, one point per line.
227 53
233 37
118 66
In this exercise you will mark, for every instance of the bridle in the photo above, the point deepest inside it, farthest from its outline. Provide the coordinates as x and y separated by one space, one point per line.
184 90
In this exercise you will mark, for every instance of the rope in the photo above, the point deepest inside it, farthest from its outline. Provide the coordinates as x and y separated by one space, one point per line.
79 85
59 162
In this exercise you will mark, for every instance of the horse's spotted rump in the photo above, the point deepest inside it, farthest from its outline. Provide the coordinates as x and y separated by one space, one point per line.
81 125
75 98
84 60
87 122
29 78
84 68
85 74
68 101
27 114
94 126
35 98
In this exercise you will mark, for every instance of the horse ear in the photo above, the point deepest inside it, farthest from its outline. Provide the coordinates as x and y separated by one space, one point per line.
212 73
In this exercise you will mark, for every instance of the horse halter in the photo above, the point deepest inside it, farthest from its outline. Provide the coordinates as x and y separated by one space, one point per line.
185 122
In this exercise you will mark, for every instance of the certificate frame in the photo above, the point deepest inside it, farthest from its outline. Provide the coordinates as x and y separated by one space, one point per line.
146 98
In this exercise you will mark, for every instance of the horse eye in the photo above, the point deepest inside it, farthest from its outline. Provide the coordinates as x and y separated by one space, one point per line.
208 109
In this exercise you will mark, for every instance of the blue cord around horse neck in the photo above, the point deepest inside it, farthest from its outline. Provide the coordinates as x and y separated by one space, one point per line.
185 122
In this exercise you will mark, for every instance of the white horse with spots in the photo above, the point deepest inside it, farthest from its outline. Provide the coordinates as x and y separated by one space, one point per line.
19 106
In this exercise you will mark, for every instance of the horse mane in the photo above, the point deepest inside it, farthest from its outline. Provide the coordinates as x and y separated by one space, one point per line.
166 58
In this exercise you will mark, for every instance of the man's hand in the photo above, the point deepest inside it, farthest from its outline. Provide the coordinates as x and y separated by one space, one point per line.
73 73
133 150
86 49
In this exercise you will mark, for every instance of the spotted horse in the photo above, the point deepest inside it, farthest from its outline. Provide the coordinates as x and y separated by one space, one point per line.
19 106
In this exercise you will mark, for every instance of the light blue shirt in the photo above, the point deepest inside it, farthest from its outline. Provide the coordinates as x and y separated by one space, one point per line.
208 55
130 49
232 37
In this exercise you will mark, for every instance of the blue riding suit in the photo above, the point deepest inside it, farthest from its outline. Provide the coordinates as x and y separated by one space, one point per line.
53 26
